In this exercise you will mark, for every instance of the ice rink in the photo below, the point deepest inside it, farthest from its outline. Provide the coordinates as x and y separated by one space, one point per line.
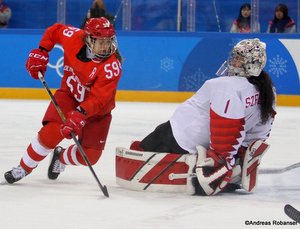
74 201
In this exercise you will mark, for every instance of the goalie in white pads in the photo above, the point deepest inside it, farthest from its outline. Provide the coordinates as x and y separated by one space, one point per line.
225 125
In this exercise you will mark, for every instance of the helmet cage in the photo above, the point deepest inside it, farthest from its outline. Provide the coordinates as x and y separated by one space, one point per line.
109 44
100 37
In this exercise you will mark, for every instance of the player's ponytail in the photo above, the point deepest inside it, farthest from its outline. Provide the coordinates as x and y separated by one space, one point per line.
264 85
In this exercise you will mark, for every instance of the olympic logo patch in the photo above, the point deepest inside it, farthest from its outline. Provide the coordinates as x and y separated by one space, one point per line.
57 54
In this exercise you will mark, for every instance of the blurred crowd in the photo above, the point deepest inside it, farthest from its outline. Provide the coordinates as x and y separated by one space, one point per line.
5 14
162 16
281 22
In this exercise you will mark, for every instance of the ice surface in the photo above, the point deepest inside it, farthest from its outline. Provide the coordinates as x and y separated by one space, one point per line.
75 201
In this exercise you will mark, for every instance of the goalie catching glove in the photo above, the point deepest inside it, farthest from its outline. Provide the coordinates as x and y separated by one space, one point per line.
213 171
37 62
74 123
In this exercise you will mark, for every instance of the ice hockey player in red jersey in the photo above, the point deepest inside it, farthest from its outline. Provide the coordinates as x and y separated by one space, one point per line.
225 117
86 96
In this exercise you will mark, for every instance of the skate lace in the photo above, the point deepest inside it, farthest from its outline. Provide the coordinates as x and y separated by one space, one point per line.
58 167
18 172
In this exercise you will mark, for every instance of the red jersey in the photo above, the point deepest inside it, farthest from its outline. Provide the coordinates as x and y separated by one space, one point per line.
92 84
241 29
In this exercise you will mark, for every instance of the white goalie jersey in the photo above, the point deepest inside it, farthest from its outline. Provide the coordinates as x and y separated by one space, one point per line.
223 114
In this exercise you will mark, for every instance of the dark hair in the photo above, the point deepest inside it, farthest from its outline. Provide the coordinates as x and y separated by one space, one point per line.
264 85
241 20
279 25
284 9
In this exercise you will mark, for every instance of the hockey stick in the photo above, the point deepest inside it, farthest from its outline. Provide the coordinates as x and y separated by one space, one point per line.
217 16
118 10
162 172
292 212
279 170
173 176
63 118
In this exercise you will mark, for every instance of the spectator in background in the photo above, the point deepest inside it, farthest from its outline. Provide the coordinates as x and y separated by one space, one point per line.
281 23
5 14
243 23
98 10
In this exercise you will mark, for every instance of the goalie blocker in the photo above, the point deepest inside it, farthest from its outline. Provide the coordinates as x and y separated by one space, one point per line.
169 172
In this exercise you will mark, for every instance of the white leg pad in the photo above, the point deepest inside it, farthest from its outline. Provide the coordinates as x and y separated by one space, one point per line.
152 171
236 176
191 162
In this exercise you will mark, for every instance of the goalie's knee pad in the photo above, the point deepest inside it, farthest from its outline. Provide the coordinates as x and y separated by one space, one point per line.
152 171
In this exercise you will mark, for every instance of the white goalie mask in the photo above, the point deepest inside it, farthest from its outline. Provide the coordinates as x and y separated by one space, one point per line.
247 58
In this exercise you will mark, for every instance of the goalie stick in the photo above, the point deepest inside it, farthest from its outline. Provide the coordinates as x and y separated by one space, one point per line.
292 212
279 170
103 188
174 176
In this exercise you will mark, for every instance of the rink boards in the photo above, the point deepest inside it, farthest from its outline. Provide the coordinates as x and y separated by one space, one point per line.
158 66
131 96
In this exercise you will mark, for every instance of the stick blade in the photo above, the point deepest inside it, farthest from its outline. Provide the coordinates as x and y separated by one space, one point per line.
292 212
104 190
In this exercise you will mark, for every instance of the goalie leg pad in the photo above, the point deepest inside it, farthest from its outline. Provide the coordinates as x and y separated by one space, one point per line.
149 171
251 162
191 162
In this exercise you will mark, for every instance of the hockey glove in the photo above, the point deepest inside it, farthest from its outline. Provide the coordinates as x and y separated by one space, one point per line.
74 123
37 61
213 172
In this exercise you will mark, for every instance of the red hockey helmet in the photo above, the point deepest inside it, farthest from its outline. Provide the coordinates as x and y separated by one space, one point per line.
99 27
100 37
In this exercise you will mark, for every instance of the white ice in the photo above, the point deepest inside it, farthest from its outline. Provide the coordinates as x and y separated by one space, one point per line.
74 201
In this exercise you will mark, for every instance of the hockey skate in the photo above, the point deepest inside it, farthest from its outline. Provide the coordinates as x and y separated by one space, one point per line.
14 175
55 167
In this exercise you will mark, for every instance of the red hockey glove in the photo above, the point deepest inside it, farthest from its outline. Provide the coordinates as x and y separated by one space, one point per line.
74 123
213 172
37 61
